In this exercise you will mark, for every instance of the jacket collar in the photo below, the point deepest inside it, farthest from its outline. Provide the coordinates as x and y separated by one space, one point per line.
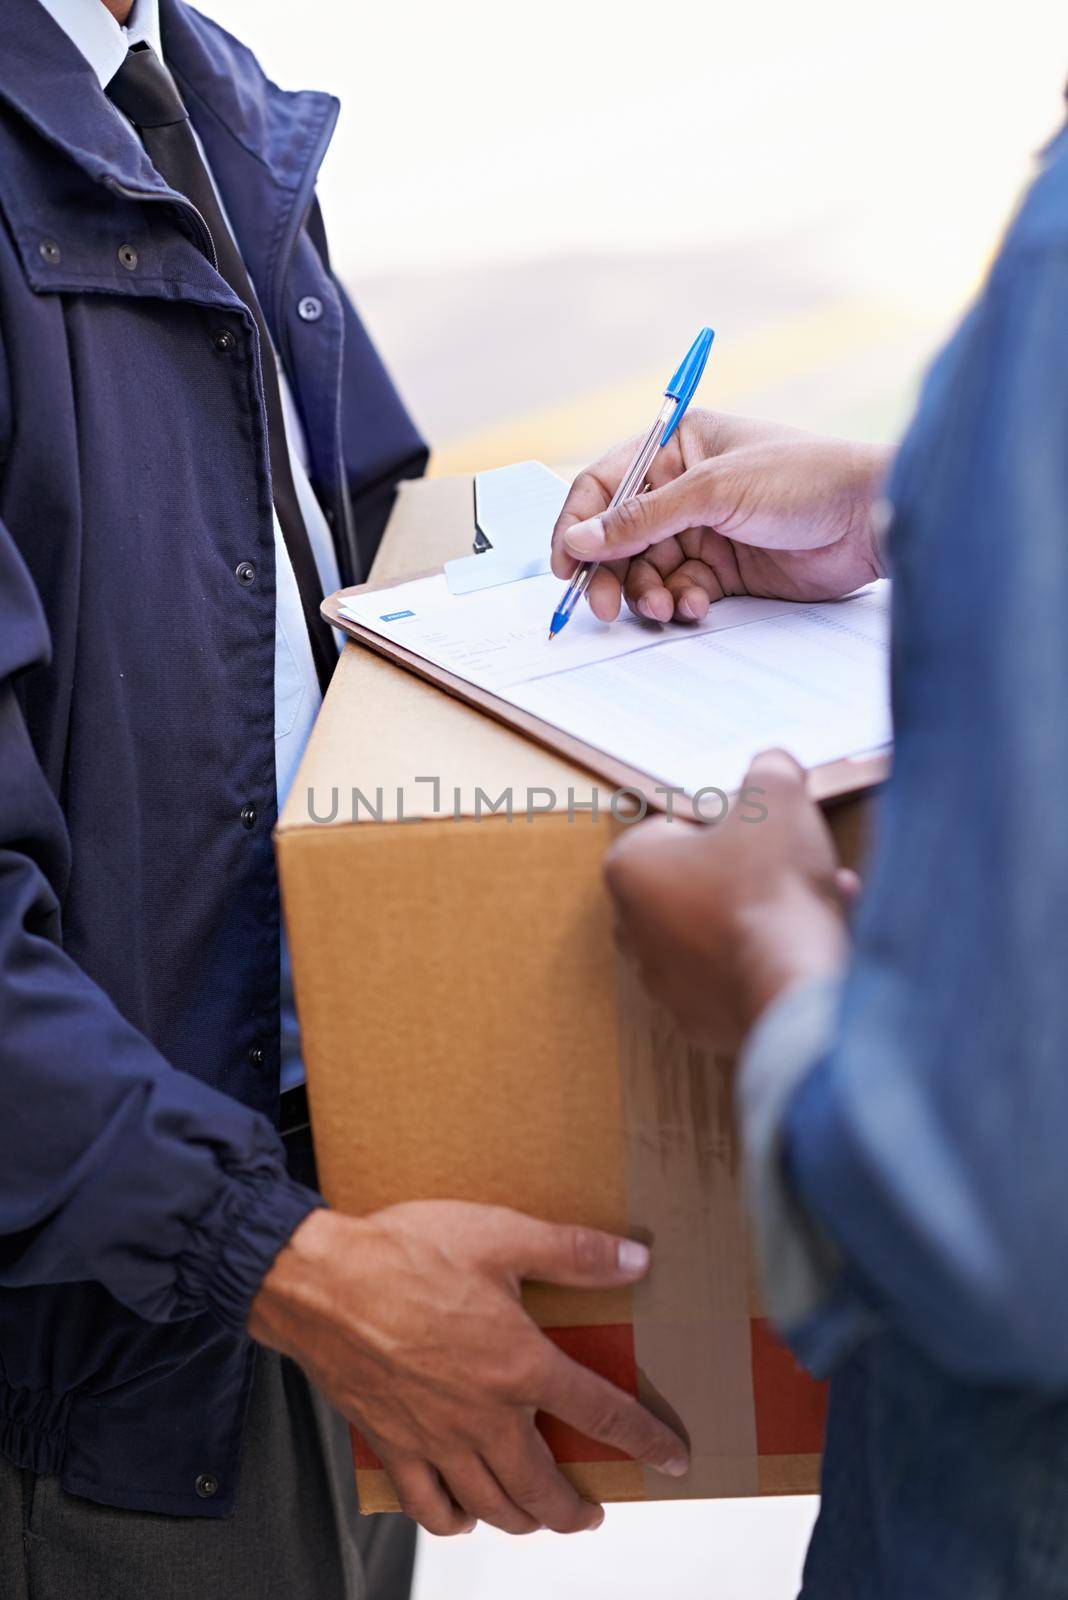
52 86
49 82
264 144
230 95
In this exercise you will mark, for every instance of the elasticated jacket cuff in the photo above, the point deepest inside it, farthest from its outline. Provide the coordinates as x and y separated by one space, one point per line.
257 1215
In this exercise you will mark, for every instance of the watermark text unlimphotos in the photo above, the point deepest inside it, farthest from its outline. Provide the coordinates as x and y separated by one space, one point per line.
625 805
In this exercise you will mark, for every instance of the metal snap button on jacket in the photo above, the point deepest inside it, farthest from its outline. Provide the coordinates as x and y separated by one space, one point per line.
49 251
248 816
257 1055
310 309
224 341
206 1485
245 573
128 256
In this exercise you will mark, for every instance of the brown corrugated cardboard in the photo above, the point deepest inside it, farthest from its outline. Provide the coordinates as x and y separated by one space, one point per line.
470 1033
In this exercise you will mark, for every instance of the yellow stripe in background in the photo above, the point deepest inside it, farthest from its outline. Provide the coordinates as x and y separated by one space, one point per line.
810 340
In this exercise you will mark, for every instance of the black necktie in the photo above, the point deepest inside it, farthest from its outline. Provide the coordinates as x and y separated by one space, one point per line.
145 91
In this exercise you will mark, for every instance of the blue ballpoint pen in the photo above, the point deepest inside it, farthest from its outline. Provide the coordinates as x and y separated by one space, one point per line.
677 396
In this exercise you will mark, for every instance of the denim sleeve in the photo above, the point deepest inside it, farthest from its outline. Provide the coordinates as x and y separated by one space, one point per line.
114 1167
924 1143
801 1269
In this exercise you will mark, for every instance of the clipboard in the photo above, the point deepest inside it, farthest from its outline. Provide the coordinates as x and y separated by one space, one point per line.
832 781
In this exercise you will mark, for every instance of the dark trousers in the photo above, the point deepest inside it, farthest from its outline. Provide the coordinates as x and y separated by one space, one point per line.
295 1535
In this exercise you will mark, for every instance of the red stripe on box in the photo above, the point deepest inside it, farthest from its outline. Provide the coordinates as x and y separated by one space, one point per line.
607 1350
363 1457
791 1407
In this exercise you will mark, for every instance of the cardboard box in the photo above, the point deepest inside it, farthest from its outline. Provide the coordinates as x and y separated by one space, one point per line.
470 1033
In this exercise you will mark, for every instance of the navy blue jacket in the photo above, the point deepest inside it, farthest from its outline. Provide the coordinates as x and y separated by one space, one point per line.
142 1185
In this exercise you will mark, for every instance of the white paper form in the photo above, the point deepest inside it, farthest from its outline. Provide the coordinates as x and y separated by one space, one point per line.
499 638
695 712
689 705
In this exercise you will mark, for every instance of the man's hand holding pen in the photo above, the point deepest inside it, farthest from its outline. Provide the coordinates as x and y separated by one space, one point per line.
734 506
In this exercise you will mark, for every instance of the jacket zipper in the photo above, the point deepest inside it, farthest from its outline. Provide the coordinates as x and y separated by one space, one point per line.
178 202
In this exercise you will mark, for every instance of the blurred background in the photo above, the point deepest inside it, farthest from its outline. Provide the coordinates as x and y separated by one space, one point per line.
536 207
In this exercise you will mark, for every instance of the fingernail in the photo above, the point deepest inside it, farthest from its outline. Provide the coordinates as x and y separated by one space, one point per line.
677 1468
585 538
633 1257
646 609
592 1527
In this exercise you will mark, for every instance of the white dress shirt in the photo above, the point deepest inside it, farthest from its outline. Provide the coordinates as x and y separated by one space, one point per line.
104 43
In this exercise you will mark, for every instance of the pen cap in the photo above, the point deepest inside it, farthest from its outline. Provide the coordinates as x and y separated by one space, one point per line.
684 383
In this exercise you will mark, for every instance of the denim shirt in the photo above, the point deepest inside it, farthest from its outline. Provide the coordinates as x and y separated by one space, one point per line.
907 1129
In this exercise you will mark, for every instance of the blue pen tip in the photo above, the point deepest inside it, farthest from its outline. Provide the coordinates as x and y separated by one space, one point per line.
557 624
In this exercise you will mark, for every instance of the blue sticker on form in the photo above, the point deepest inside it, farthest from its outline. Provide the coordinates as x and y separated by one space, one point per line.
395 616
